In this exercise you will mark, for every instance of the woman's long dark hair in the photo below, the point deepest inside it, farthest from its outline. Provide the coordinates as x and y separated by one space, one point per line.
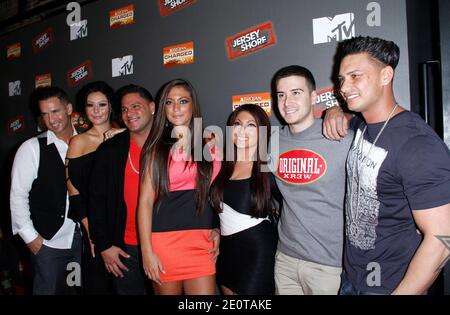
155 152
261 199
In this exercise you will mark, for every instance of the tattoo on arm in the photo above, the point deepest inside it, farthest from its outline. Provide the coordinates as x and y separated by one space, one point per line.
446 241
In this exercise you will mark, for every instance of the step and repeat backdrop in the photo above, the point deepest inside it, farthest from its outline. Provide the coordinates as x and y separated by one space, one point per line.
228 49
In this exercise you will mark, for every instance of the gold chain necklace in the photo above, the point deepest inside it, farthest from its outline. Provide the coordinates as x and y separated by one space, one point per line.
131 164
355 230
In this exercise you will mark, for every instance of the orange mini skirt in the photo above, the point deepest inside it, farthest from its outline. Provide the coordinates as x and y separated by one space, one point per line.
184 254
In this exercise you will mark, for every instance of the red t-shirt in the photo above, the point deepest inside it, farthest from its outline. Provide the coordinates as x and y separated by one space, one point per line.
131 191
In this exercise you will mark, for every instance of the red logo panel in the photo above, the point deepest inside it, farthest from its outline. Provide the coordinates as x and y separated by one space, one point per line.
43 40
301 167
169 6
79 73
251 40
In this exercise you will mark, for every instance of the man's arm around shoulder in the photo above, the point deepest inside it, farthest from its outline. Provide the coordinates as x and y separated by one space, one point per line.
336 123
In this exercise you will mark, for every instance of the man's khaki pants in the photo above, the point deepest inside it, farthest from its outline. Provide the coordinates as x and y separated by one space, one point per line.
294 276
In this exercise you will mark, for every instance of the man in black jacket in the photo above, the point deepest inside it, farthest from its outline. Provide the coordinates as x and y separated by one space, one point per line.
114 192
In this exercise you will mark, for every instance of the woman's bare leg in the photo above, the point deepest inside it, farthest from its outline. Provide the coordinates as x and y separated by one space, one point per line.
169 288
200 286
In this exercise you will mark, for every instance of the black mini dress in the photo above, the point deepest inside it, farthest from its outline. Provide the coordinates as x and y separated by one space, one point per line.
247 257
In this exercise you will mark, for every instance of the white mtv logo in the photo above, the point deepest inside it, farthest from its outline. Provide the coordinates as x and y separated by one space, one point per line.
14 88
78 30
341 27
122 66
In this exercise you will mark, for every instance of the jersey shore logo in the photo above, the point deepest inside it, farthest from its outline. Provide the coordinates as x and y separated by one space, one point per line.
169 6
122 66
325 99
182 54
328 29
121 17
15 88
42 40
301 167
79 73
78 30
13 51
263 100
15 125
43 80
251 40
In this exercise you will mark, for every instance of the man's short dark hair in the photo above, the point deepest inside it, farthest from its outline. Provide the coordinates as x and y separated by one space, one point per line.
132 88
386 52
294 70
44 93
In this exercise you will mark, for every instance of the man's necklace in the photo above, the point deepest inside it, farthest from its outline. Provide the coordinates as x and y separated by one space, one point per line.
354 213
131 164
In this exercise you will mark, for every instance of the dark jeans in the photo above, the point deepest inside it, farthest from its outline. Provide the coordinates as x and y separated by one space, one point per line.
347 288
134 281
50 268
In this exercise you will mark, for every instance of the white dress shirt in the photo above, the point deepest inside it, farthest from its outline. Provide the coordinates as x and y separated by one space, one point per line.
24 172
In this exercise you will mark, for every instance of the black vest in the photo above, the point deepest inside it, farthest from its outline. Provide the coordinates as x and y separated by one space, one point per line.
48 192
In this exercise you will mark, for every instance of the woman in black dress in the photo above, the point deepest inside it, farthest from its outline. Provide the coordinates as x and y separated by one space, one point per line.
243 196
98 100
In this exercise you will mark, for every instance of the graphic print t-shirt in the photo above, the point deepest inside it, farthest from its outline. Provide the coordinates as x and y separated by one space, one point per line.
407 169
310 173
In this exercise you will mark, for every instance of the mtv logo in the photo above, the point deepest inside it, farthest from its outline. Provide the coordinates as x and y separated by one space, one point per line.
122 66
78 30
327 29
14 88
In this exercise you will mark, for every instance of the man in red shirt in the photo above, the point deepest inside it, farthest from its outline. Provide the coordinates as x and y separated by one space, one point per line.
114 192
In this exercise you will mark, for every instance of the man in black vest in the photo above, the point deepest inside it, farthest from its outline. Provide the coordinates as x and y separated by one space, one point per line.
39 201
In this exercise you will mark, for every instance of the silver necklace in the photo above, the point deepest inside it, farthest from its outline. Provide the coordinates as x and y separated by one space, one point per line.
355 230
131 164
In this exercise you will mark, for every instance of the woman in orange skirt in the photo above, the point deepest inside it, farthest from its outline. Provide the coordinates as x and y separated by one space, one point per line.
176 223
